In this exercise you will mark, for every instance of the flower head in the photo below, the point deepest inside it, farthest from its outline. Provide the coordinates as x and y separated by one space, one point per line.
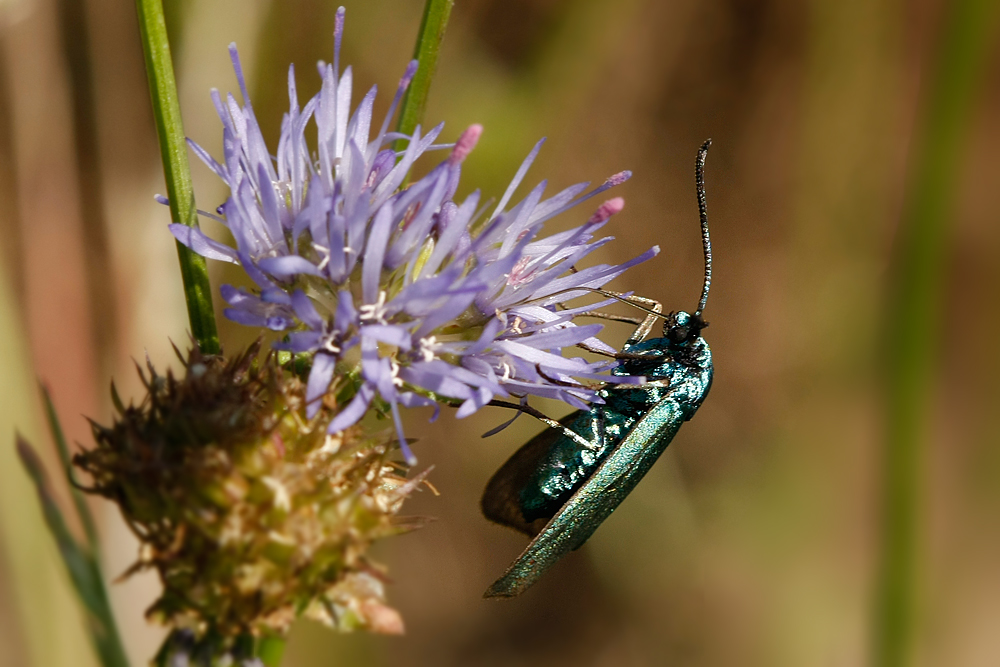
250 512
403 296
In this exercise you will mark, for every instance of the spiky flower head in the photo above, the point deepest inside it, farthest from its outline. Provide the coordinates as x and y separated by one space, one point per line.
402 295
250 512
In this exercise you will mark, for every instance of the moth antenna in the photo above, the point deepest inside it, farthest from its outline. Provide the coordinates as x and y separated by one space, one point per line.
706 242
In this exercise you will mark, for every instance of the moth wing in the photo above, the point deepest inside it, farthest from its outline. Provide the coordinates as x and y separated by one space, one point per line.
595 500
501 501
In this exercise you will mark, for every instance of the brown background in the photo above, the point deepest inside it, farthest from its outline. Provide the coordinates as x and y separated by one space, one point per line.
754 541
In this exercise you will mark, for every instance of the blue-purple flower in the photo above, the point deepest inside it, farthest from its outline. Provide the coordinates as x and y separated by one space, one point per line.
402 296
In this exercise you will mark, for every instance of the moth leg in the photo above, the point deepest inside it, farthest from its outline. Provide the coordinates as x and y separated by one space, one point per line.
612 317
603 353
647 324
548 421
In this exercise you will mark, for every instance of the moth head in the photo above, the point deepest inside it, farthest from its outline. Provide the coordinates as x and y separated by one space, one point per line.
682 327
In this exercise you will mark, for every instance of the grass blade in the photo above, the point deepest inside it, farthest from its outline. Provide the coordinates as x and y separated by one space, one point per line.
82 567
79 502
914 328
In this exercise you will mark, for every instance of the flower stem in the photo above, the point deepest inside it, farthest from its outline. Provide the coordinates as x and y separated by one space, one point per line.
270 650
176 172
432 27
914 318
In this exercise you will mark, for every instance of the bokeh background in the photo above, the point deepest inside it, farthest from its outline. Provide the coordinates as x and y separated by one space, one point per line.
756 539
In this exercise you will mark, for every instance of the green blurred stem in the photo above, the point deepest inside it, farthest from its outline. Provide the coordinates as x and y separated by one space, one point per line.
915 332
426 52
270 650
81 564
79 502
173 150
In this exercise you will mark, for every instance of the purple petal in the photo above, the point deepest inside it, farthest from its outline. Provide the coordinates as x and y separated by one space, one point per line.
478 400
274 295
354 410
300 342
435 376
371 270
536 356
389 334
346 315
319 381
563 337
591 277
518 177
209 161
306 311
272 322
403 445
404 83
486 338
288 266
255 273
196 240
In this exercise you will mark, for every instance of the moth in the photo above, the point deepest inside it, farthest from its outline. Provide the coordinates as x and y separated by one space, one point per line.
560 486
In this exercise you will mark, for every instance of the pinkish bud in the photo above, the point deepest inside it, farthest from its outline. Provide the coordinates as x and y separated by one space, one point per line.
607 209
338 22
465 144
618 178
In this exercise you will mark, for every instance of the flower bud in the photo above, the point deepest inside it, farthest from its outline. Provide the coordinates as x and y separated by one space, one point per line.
250 512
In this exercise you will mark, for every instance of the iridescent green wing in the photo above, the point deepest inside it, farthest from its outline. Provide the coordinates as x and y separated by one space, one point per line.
501 502
593 502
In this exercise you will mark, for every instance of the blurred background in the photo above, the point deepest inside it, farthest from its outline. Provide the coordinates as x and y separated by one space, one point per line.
756 539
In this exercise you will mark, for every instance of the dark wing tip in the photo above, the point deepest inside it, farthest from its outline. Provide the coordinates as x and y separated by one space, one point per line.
501 503
500 590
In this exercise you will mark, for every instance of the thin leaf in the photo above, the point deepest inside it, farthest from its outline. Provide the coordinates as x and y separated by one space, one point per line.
84 573
79 502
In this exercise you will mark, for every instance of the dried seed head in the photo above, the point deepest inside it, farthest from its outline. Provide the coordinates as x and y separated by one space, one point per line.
251 513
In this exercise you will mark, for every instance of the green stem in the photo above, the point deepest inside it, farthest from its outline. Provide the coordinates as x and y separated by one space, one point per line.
173 150
270 650
914 327
79 502
426 52
81 566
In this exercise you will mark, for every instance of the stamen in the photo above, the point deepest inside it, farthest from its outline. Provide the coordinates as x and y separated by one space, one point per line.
338 33
607 209
465 144
618 179
374 312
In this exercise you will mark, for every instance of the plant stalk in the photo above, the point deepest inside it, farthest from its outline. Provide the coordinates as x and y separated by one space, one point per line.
426 52
915 332
176 170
